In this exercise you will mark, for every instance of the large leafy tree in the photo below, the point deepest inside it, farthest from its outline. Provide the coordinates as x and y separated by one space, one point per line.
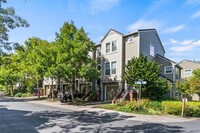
33 59
10 72
8 21
141 68
73 58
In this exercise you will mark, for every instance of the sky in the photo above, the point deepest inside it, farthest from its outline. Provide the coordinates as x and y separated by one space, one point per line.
176 21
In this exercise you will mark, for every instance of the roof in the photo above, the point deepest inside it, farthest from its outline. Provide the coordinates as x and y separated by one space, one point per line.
169 60
109 31
166 78
189 61
143 30
97 45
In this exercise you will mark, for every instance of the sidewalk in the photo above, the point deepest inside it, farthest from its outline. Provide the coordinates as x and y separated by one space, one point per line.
136 117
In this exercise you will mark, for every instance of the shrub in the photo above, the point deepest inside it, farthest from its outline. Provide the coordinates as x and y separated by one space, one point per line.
18 95
24 95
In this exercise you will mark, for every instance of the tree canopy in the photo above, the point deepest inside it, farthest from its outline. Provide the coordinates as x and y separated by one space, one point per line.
141 68
8 21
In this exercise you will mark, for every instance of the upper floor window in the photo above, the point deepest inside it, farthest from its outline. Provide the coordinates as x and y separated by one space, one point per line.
107 47
111 46
152 50
113 67
110 68
98 52
114 46
130 39
168 69
107 68
177 74
187 72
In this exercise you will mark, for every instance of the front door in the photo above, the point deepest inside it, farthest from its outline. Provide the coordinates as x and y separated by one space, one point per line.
110 92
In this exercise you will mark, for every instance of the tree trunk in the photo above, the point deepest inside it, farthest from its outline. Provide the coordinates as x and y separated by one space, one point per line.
73 88
52 90
11 90
38 89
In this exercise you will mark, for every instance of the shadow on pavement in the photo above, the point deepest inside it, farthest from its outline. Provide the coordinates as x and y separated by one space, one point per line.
16 121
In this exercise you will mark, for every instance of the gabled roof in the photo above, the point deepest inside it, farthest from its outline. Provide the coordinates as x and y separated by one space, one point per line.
108 33
144 30
141 30
189 61
169 60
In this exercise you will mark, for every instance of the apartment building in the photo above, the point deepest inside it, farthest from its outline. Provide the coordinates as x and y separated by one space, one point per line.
115 49
189 66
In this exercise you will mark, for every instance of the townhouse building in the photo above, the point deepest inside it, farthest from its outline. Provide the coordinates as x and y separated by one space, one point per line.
115 49
188 67
111 55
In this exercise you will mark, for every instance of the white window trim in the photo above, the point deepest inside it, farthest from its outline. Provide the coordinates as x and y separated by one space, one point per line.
106 69
187 75
128 40
111 47
106 48
110 68
165 70
151 44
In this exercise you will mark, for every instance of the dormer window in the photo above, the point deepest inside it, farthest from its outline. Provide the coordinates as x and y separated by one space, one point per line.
130 39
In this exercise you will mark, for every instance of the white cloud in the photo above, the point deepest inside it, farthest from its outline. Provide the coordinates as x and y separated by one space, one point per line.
174 29
182 48
196 15
102 5
144 24
192 2
173 41
185 45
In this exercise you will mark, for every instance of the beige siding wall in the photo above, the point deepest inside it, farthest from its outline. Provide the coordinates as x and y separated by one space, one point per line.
131 49
188 65
164 63
113 56
146 38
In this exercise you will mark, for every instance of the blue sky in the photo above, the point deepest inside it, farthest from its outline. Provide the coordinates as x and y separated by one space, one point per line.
177 21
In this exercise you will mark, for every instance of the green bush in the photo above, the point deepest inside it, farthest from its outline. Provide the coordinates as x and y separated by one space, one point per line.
192 109
24 95
18 95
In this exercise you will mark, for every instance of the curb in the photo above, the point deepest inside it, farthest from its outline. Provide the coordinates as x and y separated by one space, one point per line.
135 117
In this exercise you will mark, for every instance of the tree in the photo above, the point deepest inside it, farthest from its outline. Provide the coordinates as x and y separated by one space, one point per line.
191 85
8 21
33 59
141 68
73 58
9 74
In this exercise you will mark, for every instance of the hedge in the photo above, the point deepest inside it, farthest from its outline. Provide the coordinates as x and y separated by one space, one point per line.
192 109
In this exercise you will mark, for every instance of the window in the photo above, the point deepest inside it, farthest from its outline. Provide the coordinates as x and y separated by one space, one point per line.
152 50
107 68
113 67
99 67
107 47
188 72
177 74
110 68
168 70
130 39
114 46
98 52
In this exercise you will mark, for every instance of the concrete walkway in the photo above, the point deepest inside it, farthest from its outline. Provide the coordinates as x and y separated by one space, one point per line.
103 112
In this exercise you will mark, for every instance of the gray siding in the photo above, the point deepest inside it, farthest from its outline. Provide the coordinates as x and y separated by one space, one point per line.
164 63
146 38
131 49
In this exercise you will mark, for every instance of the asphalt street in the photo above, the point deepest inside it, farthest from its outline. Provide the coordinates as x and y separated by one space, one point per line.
20 116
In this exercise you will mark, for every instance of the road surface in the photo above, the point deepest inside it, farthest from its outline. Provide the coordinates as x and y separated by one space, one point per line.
20 116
